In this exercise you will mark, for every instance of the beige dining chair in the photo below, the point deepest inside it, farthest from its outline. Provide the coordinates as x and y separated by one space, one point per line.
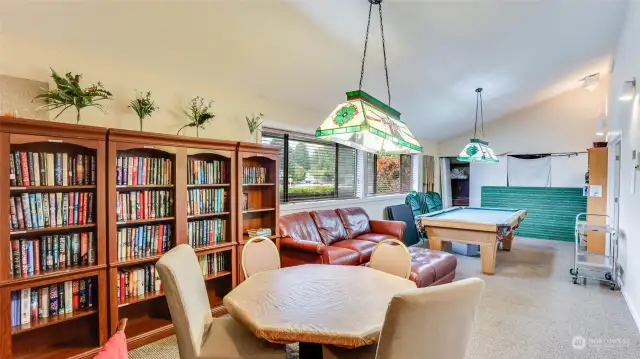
393 257
199 335
425 323
258 255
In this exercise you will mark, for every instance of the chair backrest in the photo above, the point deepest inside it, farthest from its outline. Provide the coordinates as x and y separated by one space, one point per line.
187 297
432 322
391 256
402 212
258 255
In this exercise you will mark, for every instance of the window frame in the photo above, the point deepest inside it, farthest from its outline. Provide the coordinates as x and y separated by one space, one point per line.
412 174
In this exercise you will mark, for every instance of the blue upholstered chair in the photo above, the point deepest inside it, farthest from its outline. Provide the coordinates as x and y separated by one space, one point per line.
423 202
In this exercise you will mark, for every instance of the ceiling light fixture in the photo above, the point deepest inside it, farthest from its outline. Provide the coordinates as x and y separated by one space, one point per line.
591 82
478 150
628 90
366 123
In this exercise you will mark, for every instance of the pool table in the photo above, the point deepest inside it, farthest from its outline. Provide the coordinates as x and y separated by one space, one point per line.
473 225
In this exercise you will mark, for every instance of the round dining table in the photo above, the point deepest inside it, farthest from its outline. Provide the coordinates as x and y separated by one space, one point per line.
315 304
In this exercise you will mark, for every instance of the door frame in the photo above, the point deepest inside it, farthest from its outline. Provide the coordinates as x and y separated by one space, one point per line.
613 174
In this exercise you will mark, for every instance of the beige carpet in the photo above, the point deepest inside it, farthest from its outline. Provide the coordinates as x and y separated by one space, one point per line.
530 309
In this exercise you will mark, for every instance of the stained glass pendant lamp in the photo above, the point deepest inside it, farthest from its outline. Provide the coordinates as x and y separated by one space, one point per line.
478 150
366 123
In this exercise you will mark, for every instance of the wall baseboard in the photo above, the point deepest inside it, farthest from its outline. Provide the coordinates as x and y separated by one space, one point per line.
635 314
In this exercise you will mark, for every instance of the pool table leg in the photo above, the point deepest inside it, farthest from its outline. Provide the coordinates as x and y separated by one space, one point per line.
439 245
506 242
310 351
488 257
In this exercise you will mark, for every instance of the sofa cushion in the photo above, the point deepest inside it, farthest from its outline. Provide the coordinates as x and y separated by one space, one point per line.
342 256
374 237
299 226
329 225
365 248
355 220
429 267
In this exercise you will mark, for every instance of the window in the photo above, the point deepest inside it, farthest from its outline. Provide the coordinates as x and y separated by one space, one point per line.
314 169
388 174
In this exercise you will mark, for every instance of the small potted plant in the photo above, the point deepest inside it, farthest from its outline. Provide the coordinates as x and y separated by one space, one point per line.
143 106
68 93
199 113
255 124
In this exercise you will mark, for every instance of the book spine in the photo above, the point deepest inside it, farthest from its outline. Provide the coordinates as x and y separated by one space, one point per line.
82 294
13 213
25 169
50 167
84 248
90 207
40 210
36 169
32 180
45 294
34 210
36 256
46 210
53 208
50 252
62 251
58 169
76 249
61 302
20 213
94 165
17 257
43 253
75 292
26 208
12 170
34 305
65 209
68 297
59 213
25 304
55 253
91 256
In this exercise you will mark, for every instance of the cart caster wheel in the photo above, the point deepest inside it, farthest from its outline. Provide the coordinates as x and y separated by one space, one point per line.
614 286
584 281
607 276
575 280
571 271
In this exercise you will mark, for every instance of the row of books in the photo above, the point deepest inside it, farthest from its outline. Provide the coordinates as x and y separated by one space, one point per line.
143 241
51 169
206 172
34 256
212 263
134 282
44 210
205 200
30 304
206 232
253 175
136 205
143 171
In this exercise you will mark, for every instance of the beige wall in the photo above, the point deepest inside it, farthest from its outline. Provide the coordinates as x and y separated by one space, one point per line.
625 124
564 123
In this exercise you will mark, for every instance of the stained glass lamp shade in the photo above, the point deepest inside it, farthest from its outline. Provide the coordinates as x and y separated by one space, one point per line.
477 150
365 123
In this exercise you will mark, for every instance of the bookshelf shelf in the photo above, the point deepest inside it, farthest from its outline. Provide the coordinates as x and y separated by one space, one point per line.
214 248
257 210
53 229
135 187
213 185
45 322
52 188
208 215
136 261
245 238
52 157
144 330
19 282
217 275
258 184
146 296
145 221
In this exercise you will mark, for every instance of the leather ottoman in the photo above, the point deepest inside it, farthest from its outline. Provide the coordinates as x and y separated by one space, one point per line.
431 267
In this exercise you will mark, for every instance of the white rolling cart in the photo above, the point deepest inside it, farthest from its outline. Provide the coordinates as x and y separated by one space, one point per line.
595 266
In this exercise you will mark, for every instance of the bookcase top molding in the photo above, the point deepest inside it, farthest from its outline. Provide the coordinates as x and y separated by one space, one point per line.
119 135
49 128
256 147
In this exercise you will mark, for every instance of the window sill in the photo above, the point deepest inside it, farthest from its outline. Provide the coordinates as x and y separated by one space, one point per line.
333 203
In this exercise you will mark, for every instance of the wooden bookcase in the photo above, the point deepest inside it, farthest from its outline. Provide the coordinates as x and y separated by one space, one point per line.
263 200
149 317
72 335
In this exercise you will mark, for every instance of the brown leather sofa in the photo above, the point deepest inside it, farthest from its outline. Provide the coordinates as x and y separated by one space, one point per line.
343 236
347 236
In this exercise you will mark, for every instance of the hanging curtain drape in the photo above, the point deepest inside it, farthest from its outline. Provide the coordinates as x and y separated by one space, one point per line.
429 174
534 172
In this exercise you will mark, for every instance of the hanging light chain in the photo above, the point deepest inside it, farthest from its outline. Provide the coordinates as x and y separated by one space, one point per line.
384 50
481 114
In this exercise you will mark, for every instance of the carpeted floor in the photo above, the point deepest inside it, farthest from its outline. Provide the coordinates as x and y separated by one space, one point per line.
530 309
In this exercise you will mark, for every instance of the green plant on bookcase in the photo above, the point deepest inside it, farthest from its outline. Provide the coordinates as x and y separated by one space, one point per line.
199 113
68 93
254 123
143 106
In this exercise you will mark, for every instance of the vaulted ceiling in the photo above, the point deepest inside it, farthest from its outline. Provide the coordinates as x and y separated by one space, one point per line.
308 52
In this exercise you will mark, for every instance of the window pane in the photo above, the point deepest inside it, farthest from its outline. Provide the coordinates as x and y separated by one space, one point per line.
312 168
277 140
389 173
347 172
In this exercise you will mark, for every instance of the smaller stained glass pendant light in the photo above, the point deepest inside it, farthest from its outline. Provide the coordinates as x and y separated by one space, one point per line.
366 123
478 150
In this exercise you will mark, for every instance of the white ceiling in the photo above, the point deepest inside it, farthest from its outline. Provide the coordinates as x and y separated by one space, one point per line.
308 51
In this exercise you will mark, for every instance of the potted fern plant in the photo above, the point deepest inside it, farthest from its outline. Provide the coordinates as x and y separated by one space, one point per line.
68 93
254 125
199 113
143 106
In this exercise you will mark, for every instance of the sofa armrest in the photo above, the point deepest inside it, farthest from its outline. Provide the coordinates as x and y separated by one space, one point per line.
306 246
391 228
